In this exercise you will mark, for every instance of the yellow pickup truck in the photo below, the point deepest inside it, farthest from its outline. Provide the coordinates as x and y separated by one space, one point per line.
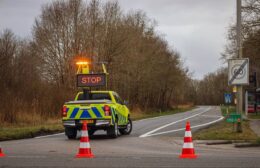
103 110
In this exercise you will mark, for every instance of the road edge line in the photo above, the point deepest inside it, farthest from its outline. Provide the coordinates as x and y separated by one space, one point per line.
151 118
164 126
201 125
39 137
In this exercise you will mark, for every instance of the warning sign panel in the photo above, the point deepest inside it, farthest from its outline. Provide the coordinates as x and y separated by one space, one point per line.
238 71
91 80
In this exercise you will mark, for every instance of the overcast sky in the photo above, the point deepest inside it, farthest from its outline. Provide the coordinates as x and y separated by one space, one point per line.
195 28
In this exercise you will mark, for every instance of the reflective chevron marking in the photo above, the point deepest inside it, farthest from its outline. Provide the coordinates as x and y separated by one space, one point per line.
74 113
85 114
96 112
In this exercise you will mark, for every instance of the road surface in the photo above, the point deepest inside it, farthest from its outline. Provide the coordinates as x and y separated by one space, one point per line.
154 143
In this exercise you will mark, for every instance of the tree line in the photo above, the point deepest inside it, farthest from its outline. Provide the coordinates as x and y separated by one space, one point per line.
38 74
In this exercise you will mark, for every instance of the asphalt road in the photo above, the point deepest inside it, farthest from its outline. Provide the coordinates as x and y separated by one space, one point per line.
154 143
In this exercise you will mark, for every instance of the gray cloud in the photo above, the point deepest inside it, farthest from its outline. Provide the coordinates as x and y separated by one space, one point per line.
196 28
19 15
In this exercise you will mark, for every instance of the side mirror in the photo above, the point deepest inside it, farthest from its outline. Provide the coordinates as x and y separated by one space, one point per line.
126 102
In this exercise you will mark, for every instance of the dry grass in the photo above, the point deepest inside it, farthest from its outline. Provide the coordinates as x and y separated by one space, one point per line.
28 119
28 126
11 132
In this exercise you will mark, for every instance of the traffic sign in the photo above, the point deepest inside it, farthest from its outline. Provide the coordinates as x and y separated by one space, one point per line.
238 71
228 98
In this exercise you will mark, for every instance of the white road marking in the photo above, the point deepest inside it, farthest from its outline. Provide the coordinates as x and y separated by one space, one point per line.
49 135
164 126
181 129
212 116
27 156
165 115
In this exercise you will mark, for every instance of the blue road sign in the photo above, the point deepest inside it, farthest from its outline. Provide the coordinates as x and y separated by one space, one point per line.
228 98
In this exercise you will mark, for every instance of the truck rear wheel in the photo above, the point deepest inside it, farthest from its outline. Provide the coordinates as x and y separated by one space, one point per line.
113 131
128 129
71 132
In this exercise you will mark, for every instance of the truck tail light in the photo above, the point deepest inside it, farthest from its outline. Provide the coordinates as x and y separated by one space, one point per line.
107 110
64 111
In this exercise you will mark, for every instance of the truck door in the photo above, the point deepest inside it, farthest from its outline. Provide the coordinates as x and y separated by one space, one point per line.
122 109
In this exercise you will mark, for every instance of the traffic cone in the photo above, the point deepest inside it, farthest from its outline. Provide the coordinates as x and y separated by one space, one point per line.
1 152
84 148
188 149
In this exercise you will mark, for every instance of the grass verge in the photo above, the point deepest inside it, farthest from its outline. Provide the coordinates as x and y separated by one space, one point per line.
29 131
258 141
226 131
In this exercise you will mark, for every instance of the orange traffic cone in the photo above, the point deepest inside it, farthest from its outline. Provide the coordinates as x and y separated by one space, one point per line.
84 149
1 152
188 149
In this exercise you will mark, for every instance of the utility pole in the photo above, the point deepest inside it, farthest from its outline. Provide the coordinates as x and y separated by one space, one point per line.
239 105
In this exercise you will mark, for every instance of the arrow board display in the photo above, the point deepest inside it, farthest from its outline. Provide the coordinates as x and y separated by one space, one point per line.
238 71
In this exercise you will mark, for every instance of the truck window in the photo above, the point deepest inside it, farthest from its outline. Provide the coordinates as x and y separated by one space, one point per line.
95 96
118 99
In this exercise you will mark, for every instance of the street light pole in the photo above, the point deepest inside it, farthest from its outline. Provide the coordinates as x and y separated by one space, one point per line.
239 105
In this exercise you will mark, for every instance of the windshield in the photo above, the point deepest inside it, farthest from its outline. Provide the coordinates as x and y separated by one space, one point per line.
95 96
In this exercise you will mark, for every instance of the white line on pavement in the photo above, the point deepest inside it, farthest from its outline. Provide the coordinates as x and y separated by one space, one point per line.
165 115
27 156
212 116
164 126
181 129
49 135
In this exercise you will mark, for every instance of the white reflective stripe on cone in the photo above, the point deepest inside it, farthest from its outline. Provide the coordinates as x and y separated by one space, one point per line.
187 133
188 145
84 145
84 134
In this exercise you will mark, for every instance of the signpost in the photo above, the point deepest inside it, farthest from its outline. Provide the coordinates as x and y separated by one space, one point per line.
238 74
239 95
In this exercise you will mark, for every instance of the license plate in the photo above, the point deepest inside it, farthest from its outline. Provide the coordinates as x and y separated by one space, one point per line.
87 121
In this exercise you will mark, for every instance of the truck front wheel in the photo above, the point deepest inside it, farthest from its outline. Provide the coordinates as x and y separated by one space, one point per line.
71 132
128 129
